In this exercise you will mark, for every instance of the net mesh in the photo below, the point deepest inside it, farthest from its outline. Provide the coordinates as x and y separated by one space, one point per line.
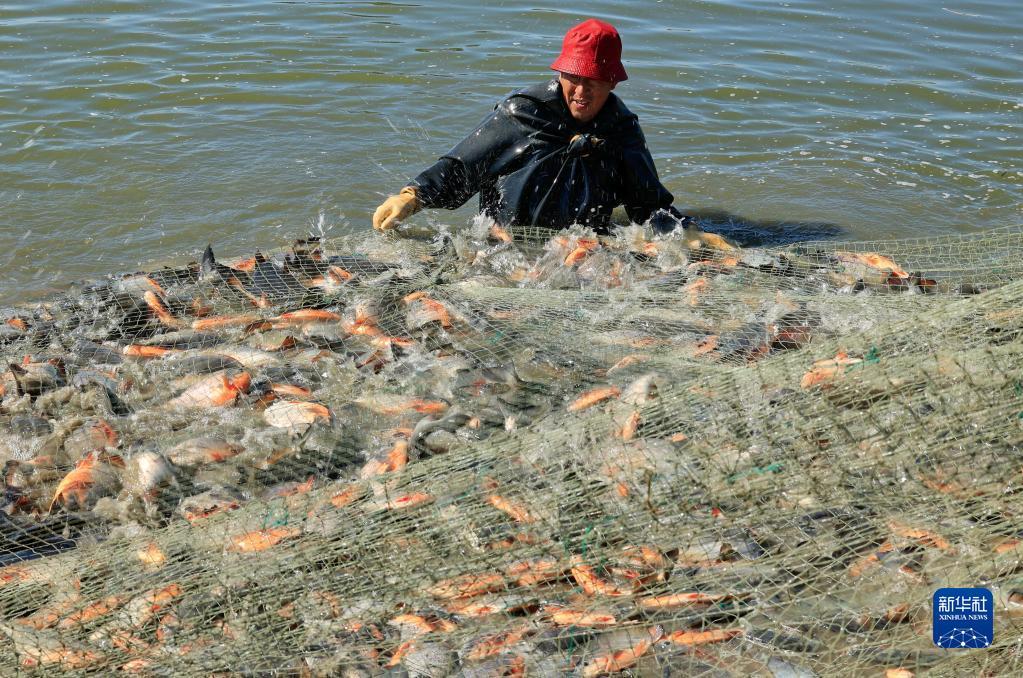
492 453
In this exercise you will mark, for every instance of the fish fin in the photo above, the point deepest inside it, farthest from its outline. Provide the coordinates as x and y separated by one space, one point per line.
17 371
208 266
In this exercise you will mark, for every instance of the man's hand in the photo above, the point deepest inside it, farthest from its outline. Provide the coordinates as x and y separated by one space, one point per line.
395 209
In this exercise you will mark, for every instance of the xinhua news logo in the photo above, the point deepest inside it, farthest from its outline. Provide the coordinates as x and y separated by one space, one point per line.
963 618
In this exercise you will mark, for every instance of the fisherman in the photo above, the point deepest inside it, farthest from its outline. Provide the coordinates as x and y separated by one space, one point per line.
559 153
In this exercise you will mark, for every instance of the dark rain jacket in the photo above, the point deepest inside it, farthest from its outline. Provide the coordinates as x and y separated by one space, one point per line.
533 164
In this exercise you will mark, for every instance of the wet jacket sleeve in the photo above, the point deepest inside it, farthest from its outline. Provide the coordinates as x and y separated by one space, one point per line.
642 192
477 159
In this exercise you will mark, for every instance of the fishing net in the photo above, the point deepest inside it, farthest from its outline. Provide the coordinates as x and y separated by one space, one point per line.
490 453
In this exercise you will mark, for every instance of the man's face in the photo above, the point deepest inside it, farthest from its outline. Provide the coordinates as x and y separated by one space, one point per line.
583 96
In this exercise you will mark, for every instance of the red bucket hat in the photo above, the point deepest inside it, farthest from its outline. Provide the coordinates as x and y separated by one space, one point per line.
593 49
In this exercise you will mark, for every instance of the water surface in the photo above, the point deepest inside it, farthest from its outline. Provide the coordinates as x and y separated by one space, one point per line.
133 133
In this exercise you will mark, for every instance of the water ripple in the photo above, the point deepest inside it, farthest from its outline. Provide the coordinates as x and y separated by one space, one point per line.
133 132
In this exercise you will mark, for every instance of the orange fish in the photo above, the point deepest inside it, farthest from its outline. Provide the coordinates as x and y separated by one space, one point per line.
221 321
476 608
494 644
199 514
591 398
1003 547
331 280
707 345
407 501
426 406
363 324
863 564
583 247
199 309
434 310
15 574
136 614
594 585
650 249
139 351
637 578
261 540
245 265
897 613
93 611
215 390
622 659
824 372
536 571
673 600
156 599
703 637
51 613
199 451
259 302
304 317
292 390
141 665
695 290
946 486
498 233
385 343
258 326
158 308
62 657
288 413
18 323
401 406
511 541
77 483
151 556
564 616
898 673
293 489
518 511
105 434
923 537
627 361
872 260
396 459
646 556
413 296
347 496
421 624
338 274
168 625
628 430
468 585
400 653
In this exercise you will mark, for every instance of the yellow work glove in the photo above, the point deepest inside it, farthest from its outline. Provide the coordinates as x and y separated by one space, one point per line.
396 208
